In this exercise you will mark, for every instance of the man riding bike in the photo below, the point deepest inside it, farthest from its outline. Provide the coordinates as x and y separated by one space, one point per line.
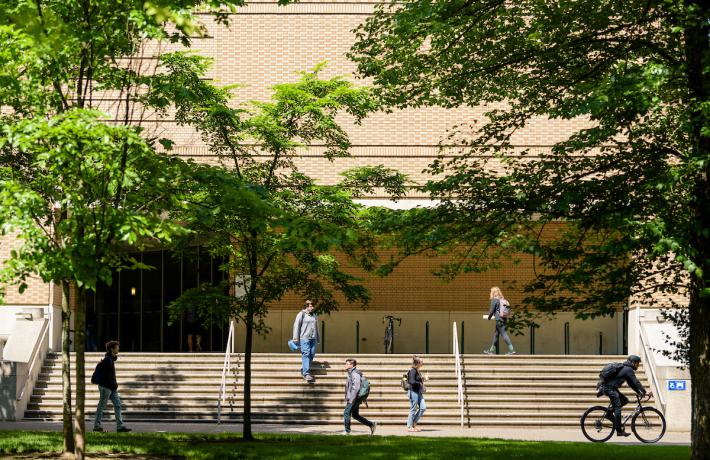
610 388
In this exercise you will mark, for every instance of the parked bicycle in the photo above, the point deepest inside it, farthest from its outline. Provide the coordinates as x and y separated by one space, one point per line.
647 423
389 332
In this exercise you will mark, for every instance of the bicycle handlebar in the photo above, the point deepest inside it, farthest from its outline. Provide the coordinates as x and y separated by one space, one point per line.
390 317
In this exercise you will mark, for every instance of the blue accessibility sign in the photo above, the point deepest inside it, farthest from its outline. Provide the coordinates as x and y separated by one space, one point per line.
677 385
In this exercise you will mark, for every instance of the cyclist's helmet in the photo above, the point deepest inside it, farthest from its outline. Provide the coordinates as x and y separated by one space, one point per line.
634 359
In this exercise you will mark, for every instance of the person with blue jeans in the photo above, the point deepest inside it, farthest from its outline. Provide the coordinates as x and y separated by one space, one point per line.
352 398
105 377
305 334
417 405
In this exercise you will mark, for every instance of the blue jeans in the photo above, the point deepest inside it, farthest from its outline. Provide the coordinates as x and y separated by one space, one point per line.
417 406
308 352
353 409
104 395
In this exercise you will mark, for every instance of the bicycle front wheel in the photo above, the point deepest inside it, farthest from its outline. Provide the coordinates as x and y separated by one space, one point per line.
597 424
648 425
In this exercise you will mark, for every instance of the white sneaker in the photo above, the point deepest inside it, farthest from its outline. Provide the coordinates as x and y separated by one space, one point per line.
373 428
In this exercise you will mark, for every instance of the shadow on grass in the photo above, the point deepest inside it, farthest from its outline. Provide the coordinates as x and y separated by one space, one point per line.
226 446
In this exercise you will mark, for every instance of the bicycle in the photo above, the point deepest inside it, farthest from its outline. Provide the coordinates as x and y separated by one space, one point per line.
647 423
389 332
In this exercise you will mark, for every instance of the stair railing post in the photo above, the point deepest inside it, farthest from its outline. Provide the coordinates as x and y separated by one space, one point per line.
225 366
322 336
567 337
457 366
532 339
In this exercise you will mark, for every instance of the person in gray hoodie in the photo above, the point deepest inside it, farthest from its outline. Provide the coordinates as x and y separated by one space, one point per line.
305 334
352 397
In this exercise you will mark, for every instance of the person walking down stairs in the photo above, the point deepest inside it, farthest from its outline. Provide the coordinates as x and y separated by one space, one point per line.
305 334
500 308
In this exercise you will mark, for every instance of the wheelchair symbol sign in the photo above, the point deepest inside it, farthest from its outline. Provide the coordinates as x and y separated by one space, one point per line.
676 385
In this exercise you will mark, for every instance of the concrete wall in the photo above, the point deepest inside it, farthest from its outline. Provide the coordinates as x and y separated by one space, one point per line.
677 402
410 336
8 390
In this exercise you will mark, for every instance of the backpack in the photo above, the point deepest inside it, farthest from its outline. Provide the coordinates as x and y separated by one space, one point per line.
364 389
405 382
504 308
607 373
97 376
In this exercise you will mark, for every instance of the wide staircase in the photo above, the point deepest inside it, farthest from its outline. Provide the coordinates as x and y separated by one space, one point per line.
521 390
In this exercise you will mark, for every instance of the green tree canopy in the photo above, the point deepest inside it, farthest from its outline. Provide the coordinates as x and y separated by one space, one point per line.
632 185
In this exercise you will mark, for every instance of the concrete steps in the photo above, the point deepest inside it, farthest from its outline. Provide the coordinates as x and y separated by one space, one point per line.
508 391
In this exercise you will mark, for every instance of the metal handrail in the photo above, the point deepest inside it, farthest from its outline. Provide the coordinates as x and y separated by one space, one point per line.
225 367
652 368
457 365
33 358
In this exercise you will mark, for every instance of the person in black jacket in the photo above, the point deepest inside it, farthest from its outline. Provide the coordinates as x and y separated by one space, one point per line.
105 377
611 389
417 406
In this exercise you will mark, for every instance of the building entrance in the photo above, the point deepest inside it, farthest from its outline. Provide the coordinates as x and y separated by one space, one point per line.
133 309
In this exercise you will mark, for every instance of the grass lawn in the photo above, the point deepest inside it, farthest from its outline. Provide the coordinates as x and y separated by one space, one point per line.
292 446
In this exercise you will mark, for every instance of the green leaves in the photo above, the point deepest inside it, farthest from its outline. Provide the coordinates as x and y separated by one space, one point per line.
87 189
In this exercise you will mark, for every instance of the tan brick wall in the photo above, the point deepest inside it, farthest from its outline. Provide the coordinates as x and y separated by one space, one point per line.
265 45
37 292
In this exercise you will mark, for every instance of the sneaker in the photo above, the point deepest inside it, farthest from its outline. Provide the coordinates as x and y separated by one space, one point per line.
623 433
346 432
123 429
488 352
511 352
373 427
309 378
98 429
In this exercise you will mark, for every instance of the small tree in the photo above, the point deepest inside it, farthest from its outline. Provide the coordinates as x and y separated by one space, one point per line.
287 244
77 207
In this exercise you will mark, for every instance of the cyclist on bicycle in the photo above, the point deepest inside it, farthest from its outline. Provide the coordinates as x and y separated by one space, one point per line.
611 386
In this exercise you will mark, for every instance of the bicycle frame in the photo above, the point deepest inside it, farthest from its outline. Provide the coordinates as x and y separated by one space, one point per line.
628 417
389 332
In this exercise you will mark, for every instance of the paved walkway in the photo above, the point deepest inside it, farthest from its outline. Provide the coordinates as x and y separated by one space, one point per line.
528 434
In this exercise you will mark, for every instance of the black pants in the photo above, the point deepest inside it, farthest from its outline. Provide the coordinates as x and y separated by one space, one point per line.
618 400
354 411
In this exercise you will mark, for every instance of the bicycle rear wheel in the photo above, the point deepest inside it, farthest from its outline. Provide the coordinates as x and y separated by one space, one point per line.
648 425
597 424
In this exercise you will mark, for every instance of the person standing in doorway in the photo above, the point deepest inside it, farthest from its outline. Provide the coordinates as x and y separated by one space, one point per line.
352 398
417 406
105 377
193 329
305 334
498 303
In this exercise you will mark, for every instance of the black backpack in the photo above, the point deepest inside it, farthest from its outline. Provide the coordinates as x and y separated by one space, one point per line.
607 373
97 376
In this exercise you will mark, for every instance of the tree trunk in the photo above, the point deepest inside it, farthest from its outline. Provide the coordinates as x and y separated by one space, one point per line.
697 49
66 371
79 301
246 432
